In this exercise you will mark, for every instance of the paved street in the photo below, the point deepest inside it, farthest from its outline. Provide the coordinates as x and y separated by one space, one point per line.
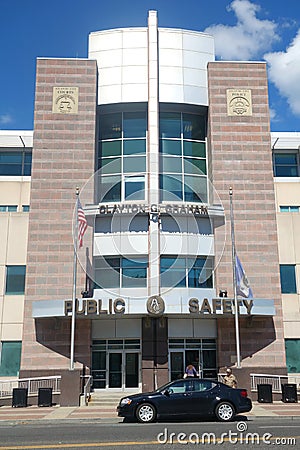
89 427
86 434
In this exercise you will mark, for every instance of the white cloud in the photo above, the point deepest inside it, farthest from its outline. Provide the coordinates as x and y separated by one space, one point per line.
249 38
284 72
5 119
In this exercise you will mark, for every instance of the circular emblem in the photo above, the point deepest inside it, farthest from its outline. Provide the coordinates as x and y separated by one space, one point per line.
65 103
155 305
239 105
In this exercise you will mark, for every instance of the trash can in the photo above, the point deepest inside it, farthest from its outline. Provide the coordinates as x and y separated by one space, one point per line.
20 396
289 393
264 393
45 397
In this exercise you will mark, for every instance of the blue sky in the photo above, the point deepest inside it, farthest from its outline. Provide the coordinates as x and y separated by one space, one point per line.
243 29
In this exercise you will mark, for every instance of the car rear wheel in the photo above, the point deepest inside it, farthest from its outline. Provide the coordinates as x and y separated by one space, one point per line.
225 412
146 413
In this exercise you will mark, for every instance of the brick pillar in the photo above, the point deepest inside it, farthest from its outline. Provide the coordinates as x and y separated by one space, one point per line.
241 157
63 158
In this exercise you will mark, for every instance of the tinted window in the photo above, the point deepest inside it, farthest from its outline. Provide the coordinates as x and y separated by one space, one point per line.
288 279
15 280
203 385
10 358
285 165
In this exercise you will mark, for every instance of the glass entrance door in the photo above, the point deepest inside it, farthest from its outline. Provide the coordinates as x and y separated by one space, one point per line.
180 359
131 370
201 353
115 370
116 364
123 369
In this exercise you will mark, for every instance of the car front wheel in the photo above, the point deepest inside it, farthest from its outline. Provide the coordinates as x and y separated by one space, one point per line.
146 413
225 412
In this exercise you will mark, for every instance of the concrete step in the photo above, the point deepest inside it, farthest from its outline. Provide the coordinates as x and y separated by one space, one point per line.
107 400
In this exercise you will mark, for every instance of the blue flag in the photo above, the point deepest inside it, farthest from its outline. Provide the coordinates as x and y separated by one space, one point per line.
242 284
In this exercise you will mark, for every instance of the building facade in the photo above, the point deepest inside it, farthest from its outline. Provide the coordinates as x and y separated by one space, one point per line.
154 132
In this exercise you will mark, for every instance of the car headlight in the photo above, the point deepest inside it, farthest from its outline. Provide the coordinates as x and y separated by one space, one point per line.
125 401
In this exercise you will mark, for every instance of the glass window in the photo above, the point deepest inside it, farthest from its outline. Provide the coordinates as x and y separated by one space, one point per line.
111 148
285 165
107 272
10 358
134 146
171 187
193 126
196 149
110 190
292 349
201 385
200 273
15 163
134 188
8 208
170 125
179 387
134 272
195 189
170 147
134 124
27 163
173 272
134 164
25 208
139 223
169 224
15 280
289 208
195 166
110 165
288 279
284 208
171 164
111 126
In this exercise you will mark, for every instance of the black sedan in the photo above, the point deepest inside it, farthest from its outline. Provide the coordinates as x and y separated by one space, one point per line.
190 397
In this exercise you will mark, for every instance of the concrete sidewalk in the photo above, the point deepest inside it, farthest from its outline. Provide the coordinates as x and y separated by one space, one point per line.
7 413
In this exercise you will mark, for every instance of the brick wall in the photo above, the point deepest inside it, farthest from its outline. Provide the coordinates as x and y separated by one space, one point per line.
241 157
63 158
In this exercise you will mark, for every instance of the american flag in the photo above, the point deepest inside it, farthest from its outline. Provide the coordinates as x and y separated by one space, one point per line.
82 224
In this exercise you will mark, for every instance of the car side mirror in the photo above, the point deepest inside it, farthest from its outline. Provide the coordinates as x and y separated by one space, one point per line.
167 392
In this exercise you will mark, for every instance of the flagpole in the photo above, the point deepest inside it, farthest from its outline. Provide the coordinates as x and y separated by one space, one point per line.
72 344
236 314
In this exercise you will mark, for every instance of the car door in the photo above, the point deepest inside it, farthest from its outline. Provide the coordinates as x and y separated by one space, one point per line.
177 400
202 397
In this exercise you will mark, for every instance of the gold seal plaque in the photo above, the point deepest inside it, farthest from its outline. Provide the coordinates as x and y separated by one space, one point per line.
239 102
65 100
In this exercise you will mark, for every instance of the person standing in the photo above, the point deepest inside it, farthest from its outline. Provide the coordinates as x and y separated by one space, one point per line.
190 372
230 379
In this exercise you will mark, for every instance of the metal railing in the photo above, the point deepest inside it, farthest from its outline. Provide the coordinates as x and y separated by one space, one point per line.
274 380
32 384
88 381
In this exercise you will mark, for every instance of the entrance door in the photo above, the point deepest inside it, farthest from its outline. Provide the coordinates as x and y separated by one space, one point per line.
179 359
131 369
193 357
115 370
123 369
